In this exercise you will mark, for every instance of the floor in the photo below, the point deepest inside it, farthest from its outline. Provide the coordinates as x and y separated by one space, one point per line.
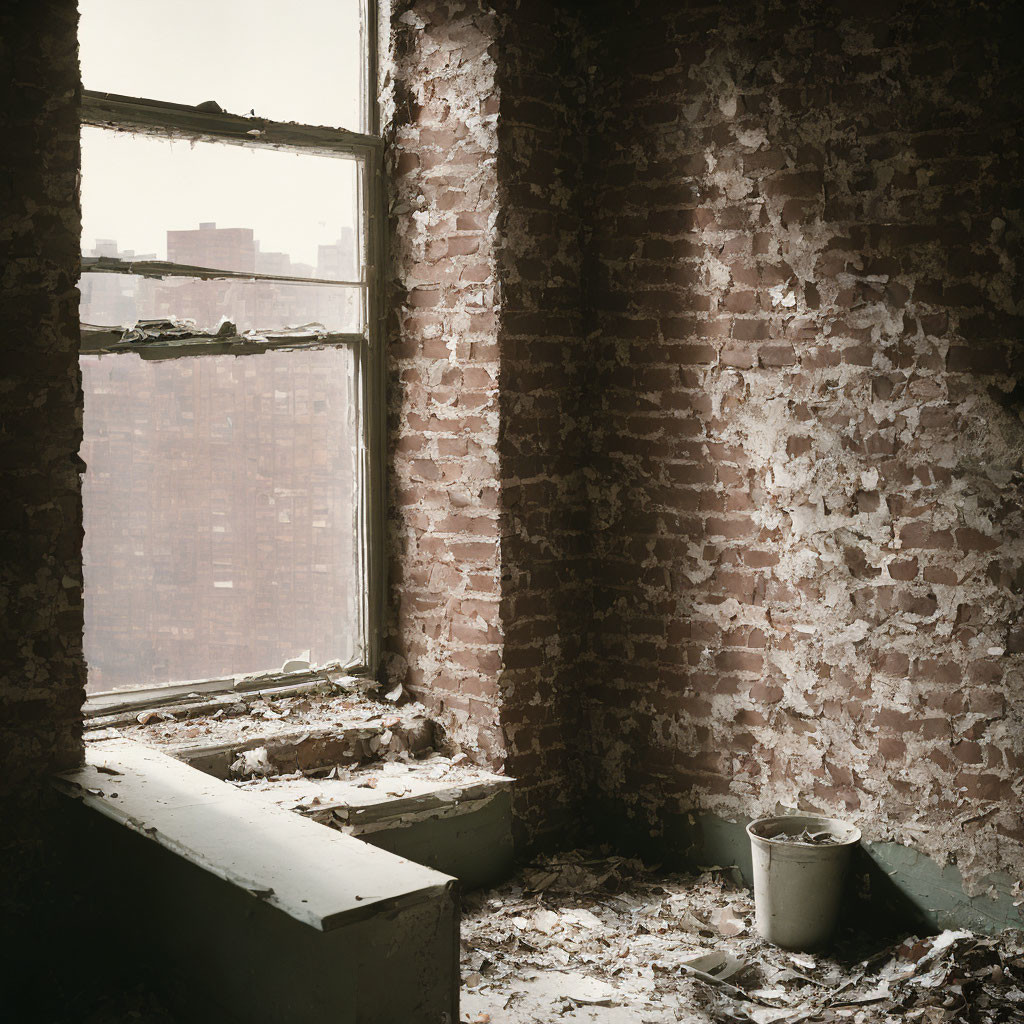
602 939
587 937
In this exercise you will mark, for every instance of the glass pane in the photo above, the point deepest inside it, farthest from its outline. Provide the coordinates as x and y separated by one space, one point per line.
215 205
284 61
220 507
119 300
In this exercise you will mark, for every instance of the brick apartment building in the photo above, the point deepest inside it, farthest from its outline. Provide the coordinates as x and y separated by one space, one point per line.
219 514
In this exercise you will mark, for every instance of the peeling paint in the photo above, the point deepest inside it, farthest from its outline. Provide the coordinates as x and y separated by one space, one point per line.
809 530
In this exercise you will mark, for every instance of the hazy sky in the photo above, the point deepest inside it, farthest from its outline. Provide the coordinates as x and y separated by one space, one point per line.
294 61
135 188
290 61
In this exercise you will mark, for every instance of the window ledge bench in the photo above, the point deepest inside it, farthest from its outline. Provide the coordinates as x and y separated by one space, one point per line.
254 912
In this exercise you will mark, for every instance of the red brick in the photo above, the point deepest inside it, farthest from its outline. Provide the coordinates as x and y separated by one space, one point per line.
921 535
776 355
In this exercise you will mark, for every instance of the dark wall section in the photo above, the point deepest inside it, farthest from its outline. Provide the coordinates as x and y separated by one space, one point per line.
804 281
42 675
544 426
41 688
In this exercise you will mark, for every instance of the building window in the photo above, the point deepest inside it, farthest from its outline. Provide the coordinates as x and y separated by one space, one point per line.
231 231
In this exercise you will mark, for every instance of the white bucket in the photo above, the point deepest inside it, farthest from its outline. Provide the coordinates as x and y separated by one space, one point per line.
798 887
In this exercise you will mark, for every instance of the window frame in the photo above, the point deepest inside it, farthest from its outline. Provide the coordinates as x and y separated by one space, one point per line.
161 119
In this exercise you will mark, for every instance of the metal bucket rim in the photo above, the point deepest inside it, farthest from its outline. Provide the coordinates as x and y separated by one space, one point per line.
847 834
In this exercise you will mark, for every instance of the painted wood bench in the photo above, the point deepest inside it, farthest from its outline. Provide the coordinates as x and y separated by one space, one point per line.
257 913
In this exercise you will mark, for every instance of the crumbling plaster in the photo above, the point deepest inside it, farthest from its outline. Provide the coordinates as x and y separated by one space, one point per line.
439 113
807 463
742 483
731 517
482 112
705 332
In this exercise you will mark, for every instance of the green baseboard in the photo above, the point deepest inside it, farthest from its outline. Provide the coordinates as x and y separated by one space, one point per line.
475 846
890 882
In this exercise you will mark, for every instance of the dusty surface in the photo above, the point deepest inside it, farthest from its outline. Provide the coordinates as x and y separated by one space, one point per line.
245 722
604 940
435 774
381 794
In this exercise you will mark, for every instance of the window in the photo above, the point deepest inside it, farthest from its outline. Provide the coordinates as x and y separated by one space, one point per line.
231 234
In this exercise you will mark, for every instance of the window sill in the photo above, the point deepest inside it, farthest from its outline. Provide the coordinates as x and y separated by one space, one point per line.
299 731
317 876
118 707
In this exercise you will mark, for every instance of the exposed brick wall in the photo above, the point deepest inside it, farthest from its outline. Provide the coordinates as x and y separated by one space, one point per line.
42 674
440 111
722 491
772 456
483 112
805 285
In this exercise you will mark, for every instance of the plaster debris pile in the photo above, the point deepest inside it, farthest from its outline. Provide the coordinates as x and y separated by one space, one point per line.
353 763
806 836
344 797
235 719
231 736
610 940
181 329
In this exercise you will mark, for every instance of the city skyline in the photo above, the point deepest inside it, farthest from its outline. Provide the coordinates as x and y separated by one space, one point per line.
334 260
117 300
220 515
137 188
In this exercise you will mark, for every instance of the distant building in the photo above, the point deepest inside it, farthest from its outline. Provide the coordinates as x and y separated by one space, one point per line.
336 308
273 262
338 261
211 246
119 300
207 302
105 247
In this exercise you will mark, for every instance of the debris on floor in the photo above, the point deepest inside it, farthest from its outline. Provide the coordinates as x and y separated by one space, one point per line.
236 718
606 939
121 1003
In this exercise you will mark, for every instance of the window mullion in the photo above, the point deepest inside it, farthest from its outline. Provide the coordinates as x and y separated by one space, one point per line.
172 120
165 268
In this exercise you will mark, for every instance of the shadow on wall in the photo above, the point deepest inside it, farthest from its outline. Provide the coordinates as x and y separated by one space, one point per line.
806 480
